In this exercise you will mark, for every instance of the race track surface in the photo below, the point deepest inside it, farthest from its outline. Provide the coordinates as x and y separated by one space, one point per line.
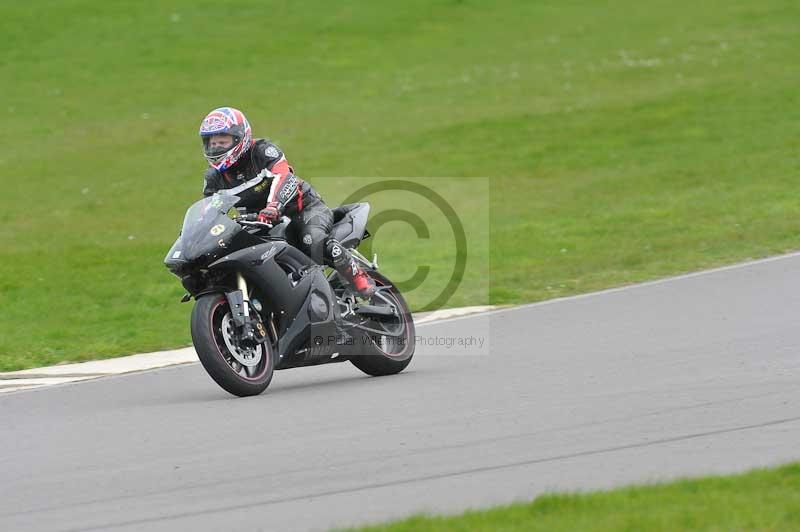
690 376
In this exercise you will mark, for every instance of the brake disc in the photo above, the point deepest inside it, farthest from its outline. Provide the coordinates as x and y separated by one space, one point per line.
246 356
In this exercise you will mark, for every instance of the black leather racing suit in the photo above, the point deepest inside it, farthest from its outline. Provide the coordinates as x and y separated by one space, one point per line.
312 220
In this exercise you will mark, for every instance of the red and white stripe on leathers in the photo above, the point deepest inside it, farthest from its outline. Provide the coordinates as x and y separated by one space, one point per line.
280 167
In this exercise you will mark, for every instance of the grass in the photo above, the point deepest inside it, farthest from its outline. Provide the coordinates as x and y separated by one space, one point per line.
615 144
759 500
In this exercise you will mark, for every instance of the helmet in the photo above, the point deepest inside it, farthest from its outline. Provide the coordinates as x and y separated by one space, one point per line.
225 121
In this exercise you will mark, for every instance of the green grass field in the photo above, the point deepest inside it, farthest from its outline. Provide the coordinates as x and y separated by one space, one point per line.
759 500
619 143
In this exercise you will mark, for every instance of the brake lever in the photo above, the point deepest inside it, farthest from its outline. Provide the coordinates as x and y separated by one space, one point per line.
257 224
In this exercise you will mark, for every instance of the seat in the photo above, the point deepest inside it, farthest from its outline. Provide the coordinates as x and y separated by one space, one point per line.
350 224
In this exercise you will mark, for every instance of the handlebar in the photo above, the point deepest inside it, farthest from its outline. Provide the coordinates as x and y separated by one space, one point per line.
257 224
252 220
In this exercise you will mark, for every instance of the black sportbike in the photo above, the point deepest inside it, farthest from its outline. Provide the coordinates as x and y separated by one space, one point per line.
262 304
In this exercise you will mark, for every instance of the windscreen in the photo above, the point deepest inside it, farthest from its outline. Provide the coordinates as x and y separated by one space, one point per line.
206 223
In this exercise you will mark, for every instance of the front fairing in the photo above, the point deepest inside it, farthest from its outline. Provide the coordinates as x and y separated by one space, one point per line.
207 230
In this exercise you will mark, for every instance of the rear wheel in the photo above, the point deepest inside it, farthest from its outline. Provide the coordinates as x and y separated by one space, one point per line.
239 369
386 345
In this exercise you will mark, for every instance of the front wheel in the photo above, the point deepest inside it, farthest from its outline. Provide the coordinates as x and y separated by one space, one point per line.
238 369
386 345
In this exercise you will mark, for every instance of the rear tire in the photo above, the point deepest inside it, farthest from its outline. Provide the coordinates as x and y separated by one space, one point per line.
208 335
379 361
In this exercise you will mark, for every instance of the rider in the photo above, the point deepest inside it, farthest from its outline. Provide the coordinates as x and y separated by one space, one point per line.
259 171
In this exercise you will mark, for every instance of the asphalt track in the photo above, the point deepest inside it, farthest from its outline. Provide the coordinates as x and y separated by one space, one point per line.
689 376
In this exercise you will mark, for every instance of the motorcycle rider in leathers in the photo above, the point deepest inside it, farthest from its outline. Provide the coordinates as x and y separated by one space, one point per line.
266 182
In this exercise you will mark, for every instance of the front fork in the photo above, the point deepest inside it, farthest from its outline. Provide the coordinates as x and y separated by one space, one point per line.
239 301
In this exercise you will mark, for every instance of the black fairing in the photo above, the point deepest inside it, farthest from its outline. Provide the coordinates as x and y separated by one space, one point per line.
295 290
294 293
310 337
208 233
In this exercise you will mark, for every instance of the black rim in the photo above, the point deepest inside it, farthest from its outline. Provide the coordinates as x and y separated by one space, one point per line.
391 345
395 345
221 328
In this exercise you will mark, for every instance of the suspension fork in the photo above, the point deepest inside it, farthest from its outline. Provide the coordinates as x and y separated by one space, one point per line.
239 301
242 285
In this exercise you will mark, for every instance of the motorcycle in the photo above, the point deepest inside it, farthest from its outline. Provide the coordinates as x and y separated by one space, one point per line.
262 305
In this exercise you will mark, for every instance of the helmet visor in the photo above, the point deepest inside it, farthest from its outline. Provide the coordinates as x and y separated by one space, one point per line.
217 147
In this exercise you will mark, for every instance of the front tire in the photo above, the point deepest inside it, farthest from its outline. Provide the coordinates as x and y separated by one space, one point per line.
239 372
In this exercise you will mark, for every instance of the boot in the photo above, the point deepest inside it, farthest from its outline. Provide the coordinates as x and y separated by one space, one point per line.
357 278
363 283
349 270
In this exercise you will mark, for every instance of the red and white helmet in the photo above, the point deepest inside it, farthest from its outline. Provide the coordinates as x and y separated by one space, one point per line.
225 121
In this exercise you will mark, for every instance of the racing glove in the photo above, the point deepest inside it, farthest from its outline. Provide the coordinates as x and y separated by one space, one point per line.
270 213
